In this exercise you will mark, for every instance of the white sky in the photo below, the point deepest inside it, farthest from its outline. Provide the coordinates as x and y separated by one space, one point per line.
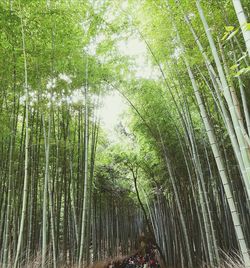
114 104
137 49
110 112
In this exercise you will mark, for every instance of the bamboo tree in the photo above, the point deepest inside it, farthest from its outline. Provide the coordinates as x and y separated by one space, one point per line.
52 219
25 185
243 23
171 175
228 97
6 247
218 87
85 194
242 92
45 190
73 197
222 171
209 229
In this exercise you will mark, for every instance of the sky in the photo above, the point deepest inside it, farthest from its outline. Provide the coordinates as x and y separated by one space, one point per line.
112 109
137 49
114 105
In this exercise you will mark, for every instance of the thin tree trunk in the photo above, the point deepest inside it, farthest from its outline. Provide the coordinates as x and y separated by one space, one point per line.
85 195
25 184
243 148
222 171
183 224
45 190
243 23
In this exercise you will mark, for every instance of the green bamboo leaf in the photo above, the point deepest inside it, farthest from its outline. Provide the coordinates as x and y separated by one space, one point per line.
232 34
239 73
247 26
225 36
233 67
241 58
247 69
229 28
242 71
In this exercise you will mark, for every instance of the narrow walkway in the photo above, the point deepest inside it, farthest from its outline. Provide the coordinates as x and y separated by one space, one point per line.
146 259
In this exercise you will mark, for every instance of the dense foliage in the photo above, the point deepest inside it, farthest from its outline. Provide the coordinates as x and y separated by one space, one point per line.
180 172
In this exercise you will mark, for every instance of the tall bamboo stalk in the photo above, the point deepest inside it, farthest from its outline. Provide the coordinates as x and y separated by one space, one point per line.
45 190
243 23
182 219
85 195
25 183
226 92
222 171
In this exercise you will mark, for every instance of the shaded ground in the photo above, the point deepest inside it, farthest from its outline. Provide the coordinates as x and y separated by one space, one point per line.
146 258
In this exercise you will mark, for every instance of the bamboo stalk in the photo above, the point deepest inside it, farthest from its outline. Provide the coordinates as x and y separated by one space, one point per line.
222 171
243 23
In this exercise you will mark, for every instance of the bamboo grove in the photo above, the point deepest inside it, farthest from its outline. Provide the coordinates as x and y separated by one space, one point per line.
180 172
